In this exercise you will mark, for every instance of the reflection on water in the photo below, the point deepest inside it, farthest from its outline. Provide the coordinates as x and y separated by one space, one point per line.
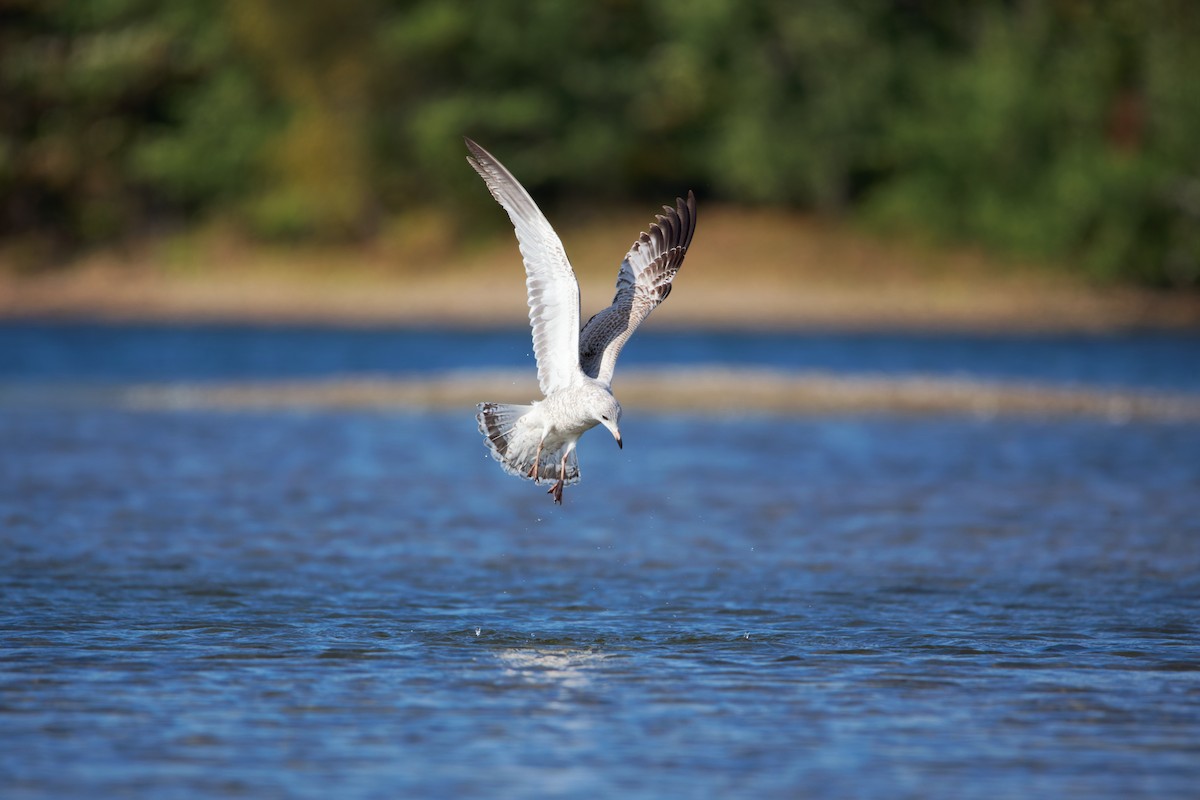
564 668
317 604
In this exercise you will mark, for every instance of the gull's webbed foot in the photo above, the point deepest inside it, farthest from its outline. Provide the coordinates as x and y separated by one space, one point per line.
557 491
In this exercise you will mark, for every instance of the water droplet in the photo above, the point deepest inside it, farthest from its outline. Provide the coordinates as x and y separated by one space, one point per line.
478 631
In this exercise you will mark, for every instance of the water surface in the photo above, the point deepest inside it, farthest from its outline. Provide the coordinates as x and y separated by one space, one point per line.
31 351
337 604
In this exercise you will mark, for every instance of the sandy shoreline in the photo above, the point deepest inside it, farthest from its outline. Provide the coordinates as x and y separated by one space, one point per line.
114 296
764 269
724 392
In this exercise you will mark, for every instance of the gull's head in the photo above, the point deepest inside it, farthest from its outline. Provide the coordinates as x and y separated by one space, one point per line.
608 413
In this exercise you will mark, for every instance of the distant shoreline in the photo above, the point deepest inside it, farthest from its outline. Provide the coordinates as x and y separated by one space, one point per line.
770 270
110 296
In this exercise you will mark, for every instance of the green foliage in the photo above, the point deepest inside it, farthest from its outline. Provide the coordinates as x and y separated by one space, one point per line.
209 148
1061 129
1043 137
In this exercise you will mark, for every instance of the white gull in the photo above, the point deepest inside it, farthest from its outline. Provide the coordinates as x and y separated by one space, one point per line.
575 367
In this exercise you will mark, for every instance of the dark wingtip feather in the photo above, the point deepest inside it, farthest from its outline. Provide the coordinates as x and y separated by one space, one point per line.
676 227
687 210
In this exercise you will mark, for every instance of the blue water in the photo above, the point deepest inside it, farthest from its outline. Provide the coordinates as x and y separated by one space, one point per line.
335 604
97 352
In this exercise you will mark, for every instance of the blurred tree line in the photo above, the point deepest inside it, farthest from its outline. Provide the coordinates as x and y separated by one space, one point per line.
1065 129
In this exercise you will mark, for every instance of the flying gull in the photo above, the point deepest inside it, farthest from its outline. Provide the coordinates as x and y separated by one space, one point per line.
575 367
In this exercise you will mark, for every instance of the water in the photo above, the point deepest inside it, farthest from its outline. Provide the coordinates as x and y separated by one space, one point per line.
97 352
320 604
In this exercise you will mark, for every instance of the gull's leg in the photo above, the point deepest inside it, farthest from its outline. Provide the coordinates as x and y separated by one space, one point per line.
557 488
537 460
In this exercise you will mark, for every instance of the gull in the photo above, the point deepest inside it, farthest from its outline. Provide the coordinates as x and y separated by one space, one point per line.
575 366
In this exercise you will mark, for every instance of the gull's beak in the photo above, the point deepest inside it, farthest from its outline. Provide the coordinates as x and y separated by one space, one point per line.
616 432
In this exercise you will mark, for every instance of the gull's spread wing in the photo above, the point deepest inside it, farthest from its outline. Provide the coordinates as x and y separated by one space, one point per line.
643 282
549 279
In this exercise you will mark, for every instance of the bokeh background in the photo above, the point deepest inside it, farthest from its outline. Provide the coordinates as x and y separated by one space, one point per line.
908 502
1060 130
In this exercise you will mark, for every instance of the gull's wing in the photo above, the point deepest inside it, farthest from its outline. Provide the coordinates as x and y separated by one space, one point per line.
549 279
643 282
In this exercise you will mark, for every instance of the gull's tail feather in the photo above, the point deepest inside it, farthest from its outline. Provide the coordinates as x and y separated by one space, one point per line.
497 423
515 445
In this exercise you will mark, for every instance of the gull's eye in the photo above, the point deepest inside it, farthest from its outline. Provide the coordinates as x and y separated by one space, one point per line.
603 417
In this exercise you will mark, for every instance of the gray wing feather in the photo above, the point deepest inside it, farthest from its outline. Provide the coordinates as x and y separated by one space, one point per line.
643 282
553 291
